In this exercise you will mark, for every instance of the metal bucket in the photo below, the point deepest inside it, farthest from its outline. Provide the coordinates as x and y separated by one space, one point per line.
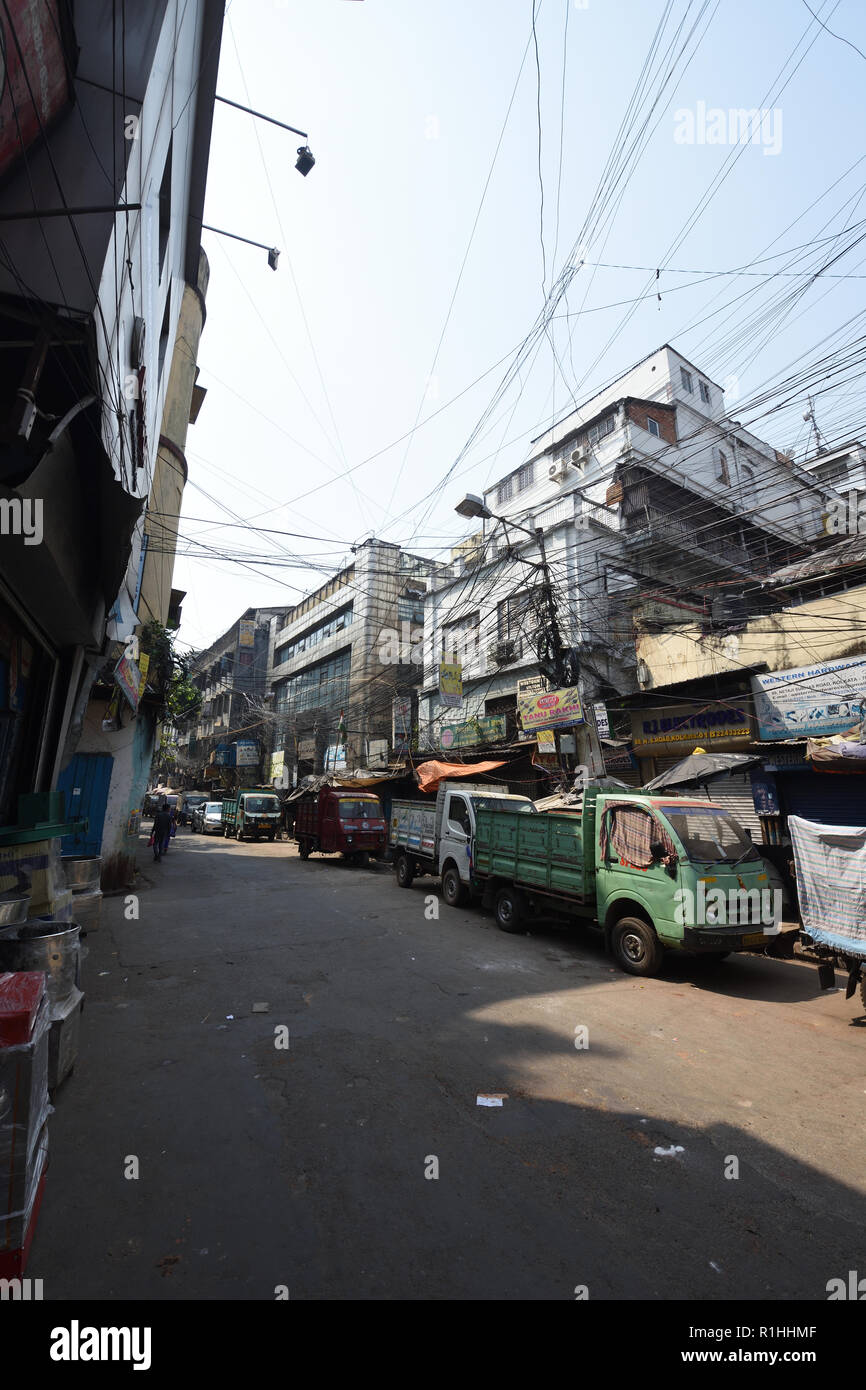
13 908
48 946
82 873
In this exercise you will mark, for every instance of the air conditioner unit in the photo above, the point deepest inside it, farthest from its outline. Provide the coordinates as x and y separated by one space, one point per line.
558 471
580 456
501 653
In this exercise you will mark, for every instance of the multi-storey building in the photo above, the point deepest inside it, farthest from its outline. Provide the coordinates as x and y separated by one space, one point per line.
648 497
342 655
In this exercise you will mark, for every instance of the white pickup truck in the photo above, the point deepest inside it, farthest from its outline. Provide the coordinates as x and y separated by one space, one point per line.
437 837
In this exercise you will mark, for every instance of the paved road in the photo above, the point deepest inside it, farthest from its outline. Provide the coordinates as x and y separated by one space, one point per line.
305 1167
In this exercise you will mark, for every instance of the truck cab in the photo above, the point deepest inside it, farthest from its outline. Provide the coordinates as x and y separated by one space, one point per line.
438 837
251 814
339 820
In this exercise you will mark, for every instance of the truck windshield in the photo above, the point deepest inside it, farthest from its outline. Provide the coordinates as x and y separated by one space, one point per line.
710 835
359 810
260 804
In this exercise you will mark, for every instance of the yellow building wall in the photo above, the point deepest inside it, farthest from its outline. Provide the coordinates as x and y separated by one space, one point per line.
824 629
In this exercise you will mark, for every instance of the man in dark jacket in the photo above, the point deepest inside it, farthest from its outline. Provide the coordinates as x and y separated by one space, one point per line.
161 830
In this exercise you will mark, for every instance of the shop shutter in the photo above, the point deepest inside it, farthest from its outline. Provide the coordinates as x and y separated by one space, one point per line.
735 795
832 798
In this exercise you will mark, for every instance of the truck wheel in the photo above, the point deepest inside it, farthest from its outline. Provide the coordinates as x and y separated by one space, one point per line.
636 947
239 834
304 849
404 871
509 910
453 889
362 858
863 989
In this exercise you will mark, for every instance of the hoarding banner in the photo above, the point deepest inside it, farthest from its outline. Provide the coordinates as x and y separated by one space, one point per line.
247 754
472 731
128 677
451 683
680 725
278 762
810 701
550 711
546 741
247 637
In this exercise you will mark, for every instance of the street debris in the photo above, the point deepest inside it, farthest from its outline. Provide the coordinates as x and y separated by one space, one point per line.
490 1098
261 1008
669 1153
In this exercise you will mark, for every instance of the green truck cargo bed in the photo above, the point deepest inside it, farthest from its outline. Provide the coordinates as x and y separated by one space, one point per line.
544 852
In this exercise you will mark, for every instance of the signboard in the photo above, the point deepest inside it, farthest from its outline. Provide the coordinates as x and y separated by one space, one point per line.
764 792
34 86
602 723
533 685
546 741
247 752
307 749
472 731
550 711
679 728
247 635
128 677
223 756
810 701
451 683
143 666
278 765
335 757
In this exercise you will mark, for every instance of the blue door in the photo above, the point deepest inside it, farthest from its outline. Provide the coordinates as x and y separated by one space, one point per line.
86 781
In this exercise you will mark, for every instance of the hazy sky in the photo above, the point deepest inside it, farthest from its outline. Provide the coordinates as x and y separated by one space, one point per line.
315 368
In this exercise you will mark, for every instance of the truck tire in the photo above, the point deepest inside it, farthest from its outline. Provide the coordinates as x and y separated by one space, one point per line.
636 948
304 849
863 988
510 910
239 834
404 871
453 888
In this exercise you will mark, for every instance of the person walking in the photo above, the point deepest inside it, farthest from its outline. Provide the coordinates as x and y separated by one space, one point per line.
161 830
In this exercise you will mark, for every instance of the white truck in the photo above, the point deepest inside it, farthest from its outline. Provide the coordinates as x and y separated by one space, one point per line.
436 837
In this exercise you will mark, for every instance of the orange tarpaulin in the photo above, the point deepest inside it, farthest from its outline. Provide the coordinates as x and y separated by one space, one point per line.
431 774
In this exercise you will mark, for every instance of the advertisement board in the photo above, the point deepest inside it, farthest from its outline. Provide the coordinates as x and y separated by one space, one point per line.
451 683
675 728
247 753
472 731
810 701
550 711
247 635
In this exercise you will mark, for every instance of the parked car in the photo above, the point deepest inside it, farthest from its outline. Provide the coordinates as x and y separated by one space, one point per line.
207 818
191 801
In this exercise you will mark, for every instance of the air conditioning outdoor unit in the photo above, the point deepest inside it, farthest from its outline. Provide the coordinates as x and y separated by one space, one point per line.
501 653
580 456
558 471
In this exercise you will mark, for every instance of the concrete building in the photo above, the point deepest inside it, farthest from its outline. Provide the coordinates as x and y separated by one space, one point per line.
648 493
227 741
106 160
352 647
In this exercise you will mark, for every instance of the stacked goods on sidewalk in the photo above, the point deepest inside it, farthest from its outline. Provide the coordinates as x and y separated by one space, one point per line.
82 880
51 947
24 1111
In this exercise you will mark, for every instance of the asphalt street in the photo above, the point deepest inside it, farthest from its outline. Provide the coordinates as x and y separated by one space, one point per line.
706 1144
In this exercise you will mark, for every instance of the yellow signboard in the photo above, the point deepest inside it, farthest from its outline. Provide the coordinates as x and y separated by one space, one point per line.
549 711
247 637
451 683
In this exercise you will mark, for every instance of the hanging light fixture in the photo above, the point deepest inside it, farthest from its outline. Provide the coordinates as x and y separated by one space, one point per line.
305 160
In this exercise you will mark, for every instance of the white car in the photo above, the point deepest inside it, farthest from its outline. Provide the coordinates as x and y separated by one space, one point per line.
208 818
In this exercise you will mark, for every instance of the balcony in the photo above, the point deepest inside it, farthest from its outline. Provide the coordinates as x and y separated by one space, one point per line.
675 533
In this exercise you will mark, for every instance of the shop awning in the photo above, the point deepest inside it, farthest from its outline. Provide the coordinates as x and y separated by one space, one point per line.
430 774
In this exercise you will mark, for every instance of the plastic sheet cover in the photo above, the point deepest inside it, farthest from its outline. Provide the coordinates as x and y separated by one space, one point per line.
830 861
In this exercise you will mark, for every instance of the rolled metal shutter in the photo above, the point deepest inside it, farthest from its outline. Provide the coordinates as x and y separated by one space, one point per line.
831 798
735 795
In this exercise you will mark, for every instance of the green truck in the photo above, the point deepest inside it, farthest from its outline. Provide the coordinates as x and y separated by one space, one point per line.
655 873
251 814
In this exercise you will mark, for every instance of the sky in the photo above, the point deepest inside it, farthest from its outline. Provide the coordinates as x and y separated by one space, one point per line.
459 159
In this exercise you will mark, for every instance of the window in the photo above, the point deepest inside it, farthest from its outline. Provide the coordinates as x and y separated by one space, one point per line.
325 683
164 211
460 637
722 473
653 426
686 379
504 491
705 393
515 619
410 609
525 477
601 430
335 622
